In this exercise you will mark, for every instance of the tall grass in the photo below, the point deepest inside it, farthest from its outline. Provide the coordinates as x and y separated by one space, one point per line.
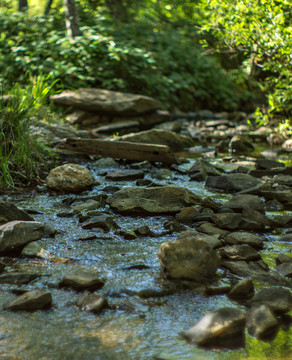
21 155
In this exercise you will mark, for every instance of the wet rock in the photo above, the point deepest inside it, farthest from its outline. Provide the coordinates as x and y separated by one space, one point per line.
31 301
127 235
241 201
81 281
188 258
264 164
240 145
133 304
174 226
70 178
155 200
105 162
287 145
10 212
144 231
242 237
232 182
285 180
277 298
102 221
285 269
156 292
244 289
263 221
187 215
234 221
105 101
239 252
18 278
271 172
89 204
212 241
210 229
15 234
121 127
202 169
34 250
175 141
94 303
283 258
125 175
261 322
218 328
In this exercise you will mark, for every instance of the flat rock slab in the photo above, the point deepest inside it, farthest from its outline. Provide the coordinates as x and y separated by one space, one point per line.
232 182
239 252
155 200
277 298
31 301
102 221
241 201
125 175
18 278
10 212
106 101
15 234
81 281
217 328
243 237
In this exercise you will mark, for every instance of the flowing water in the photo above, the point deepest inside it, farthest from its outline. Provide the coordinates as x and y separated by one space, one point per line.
152 329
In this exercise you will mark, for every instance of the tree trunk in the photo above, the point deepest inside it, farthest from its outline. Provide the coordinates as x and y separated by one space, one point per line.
22 5
72 19
48 7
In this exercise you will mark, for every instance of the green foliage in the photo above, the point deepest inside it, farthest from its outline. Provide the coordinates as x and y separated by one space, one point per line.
133 58
21 156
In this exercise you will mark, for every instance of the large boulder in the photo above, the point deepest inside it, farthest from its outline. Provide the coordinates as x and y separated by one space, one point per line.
10 212
222 327
155 200
107 102
189 258
232 182
175 141
69 178
15 234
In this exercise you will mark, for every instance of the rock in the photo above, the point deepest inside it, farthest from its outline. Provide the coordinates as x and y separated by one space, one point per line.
218 328
286 238
18 278
187 215
277 298
106 163
271 172
105 101
244 289
234 221
89 204
10 212
285 180
262 220
155 200
31 301
211 230
81 281
212 241
15 234
133 304
144 231
70 178
94 303
239 252
283 258
283 197
202 169
127 235
287 145
261 321
120 127
125 175
102 221
34 250
240 145
241 201
285 269
189 259
232 182
174 226
175 141
242 237
266 164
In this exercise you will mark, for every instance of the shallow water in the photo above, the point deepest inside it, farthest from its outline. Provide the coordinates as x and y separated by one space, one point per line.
65 332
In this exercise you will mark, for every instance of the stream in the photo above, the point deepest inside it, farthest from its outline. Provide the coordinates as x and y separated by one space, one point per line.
134 328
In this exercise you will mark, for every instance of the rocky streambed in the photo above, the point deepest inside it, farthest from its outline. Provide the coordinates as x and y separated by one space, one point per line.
149 262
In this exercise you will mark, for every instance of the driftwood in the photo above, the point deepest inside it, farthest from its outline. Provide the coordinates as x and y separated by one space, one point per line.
120 149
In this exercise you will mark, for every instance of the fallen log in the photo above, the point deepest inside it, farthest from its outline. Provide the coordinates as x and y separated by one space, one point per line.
120 149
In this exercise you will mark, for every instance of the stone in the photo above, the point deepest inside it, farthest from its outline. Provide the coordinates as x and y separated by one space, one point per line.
81 281
31 301
218 328
239 252
102 221
10 212
266 164
94 303
287 145
106 101
241 201
283 197
189 259
18 278
261 321
243 237
234 221
285 269
88 205
244 289
125 175
240 145
175 141
16 234
210 229
232 182
70 178
34 250
212 241
187 215
202 169
283 258
153 200
277 298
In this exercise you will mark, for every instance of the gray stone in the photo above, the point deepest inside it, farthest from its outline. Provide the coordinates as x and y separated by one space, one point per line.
15 234
239 252
10 212
18 278
189 259
210 229
261 322
102 221
264 164
285 269
155 200
70 178
35 250
287 145
238 202
31 301
94 303
81 281
277 298
212 241
242 290
89 204
187 215
216 327
118 175
202 169
232 182
106 101
240 145
234 221
242 237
